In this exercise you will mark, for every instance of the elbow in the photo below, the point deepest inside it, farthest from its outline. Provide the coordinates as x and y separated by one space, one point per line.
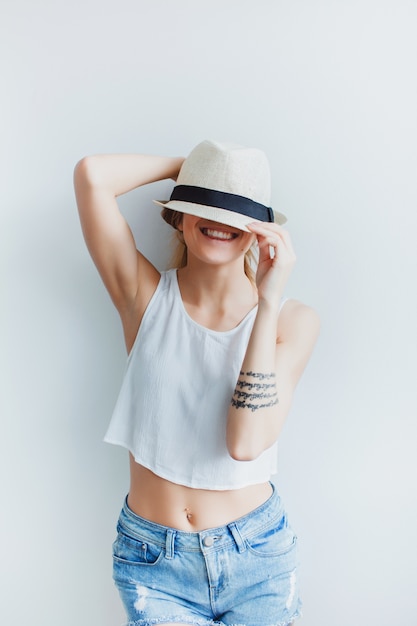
244 452
243 456
250 446
86 173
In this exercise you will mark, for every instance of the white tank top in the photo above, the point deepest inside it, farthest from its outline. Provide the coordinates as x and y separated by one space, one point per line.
172 407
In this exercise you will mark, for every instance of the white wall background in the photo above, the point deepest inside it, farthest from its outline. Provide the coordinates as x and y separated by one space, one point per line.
328 90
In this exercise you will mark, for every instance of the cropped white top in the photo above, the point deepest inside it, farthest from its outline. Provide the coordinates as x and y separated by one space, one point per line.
172 407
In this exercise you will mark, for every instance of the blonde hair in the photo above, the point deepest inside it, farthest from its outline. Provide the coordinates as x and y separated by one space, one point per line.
179 254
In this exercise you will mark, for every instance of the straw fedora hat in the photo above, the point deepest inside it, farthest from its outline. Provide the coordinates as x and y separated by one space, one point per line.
226 183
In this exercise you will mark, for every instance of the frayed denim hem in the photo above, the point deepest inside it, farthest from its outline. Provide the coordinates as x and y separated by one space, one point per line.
174 620
200 622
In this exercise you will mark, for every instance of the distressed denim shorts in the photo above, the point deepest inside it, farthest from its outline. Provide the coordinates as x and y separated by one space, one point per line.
241 574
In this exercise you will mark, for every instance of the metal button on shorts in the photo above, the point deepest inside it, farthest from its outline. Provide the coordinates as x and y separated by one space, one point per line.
208 541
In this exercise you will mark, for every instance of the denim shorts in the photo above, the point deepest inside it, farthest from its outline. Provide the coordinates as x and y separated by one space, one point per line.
241 574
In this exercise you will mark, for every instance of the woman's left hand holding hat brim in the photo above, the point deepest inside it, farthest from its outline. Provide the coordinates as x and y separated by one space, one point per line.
273 269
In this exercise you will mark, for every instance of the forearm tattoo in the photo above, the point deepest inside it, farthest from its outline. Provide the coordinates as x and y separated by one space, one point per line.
256 391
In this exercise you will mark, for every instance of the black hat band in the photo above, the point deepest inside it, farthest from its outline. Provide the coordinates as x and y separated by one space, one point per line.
223 200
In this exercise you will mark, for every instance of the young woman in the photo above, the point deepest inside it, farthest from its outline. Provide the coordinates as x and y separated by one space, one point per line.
215 353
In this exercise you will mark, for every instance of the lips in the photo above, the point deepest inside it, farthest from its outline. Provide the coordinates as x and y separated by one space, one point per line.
218 234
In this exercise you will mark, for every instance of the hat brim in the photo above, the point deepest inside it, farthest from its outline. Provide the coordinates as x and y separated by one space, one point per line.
223 216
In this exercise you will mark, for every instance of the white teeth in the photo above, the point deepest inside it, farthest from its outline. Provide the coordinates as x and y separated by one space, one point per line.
218 234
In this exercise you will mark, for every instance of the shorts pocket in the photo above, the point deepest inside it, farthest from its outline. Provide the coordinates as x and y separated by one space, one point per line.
132 551
274 541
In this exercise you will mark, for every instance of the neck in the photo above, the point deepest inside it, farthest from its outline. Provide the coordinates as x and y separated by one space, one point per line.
219 283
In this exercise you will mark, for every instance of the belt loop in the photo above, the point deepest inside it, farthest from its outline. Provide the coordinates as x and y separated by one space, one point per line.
169 547
240 542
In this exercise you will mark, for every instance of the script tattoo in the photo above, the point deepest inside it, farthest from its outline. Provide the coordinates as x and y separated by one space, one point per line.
258 394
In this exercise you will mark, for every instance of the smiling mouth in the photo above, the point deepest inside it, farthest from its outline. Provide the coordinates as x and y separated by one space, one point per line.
218 234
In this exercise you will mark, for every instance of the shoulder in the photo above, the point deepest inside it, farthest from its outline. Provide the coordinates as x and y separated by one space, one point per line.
298 330
298 320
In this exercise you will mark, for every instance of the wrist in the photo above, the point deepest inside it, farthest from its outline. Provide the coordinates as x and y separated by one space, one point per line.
269 307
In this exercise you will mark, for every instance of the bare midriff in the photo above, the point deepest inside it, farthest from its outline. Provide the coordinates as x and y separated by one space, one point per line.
191 510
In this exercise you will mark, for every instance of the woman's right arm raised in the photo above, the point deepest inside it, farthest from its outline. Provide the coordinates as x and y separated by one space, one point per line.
98 180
